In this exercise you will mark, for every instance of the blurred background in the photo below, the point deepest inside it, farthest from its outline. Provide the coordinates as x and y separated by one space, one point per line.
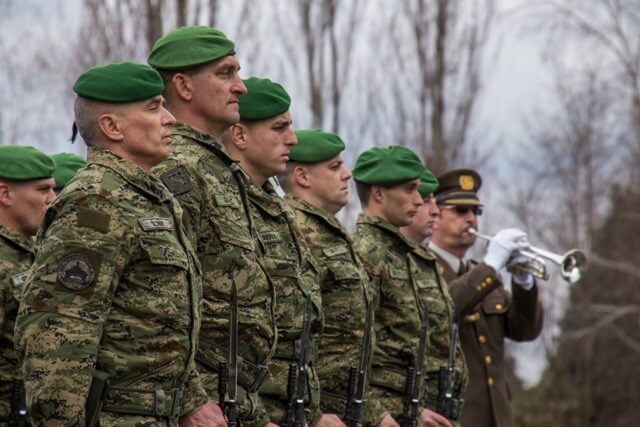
541 97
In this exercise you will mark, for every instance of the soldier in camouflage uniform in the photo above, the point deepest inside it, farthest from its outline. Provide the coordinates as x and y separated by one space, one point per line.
261 142
212 189
114 289
405 283
316 183
26 189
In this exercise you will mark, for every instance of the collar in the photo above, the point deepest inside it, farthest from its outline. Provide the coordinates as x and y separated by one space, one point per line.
453 261
297 203
18 239
382 224
266 198
211 142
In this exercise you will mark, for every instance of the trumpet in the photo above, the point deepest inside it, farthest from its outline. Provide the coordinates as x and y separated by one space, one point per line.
572 264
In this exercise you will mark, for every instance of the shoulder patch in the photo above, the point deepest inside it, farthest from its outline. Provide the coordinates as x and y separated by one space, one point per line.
96 220
224 200
335 251
176 180
19 279
76 271
155 223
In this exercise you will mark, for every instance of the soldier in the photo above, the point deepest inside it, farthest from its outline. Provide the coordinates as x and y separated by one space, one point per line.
26 189
261 142
405 283
316 182
202 89
67 165
488 312
109 320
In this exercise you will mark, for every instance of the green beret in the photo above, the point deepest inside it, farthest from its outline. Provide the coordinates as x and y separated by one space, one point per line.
264 99
387 166
187 47
315 146
20 163
428 183
119 83
67 165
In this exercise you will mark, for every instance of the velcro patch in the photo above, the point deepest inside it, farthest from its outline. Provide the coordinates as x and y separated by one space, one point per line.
335 250
271 237
96 220
155 223
76 271
396 273
20 278
176 180
224 200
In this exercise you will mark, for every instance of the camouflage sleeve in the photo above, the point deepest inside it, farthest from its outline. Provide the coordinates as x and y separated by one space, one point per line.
195 394
66 301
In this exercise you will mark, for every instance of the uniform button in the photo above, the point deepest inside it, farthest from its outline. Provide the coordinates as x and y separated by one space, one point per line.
490 381
489 280
487 360
479 288
482 339
498 306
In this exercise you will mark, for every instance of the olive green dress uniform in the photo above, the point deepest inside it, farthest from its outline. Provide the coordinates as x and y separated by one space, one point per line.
212 190
405 282
343 284
16 256
114 287
488 315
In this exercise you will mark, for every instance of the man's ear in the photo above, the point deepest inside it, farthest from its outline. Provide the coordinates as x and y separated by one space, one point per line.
301 176
183 86
6 196
238 134
111 126
376 193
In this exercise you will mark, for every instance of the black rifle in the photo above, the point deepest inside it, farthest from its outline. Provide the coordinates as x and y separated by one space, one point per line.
446 404
359 378
297 380
229 405
413 382
18 414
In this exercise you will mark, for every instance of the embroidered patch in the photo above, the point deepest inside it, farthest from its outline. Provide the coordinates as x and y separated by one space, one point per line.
222 201
335 250
155 223
19 279
270 237
76 271
176 180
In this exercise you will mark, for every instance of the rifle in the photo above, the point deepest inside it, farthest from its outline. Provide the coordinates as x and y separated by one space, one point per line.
297 379
18 414
446 404
229 406
413 383
359 378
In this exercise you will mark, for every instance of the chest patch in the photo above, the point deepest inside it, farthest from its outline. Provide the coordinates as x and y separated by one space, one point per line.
335 251
176 180
271 237
76 271
155 223
19 279
226 201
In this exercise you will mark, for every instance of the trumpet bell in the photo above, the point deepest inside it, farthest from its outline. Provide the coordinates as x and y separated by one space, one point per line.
574 264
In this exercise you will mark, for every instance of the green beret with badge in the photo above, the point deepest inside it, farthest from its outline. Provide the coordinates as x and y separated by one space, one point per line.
188 47
264 99
315 146
387 166
459 187
67 164
24 163
428 183
119 82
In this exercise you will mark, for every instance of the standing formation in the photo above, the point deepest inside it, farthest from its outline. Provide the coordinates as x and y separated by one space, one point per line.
170 284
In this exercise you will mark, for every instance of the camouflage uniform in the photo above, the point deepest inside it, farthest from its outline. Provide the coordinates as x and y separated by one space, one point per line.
212 190
115 288
290 268
344 300
16 256
405 281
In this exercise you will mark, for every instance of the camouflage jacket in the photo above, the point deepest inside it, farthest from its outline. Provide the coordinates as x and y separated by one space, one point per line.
290 267
343 283
114 287
16 256
211 189
406 281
